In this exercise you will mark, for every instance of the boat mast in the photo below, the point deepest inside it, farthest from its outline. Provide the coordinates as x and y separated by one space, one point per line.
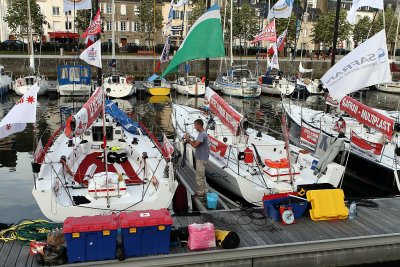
335 34
231 41
207 59
154 35
397 32
32 60
99 71
113 31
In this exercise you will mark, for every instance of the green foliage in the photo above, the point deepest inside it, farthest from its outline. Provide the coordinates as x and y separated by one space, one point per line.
83 18
281 25
361 29
390 22
197 11
17 17
324 28
146 17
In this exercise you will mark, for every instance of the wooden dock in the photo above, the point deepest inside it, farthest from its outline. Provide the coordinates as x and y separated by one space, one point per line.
373 236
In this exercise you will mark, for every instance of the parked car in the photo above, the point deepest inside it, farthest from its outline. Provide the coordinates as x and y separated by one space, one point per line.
13 45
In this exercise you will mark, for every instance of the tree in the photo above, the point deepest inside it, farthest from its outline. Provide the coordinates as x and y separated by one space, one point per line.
17 17
146 17
361 29
83 18
324 28
197 11
390 25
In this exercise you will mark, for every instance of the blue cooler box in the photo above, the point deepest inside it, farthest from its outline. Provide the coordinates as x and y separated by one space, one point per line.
298 208
145 232
91 238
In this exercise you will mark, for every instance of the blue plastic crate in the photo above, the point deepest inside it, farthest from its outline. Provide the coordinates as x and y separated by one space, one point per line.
91 238
271 212
145 232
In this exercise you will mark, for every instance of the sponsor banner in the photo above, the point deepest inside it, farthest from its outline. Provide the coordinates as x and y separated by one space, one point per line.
368 116
282 9
217 146
167 147
268 34
330 101
373 149
228 115
82 120
366 65
77 5
92 54
274 60
309 137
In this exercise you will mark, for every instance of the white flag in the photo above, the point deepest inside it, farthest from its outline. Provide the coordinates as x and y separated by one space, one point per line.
180 3
77 4
366 65
168 24
92 54
22 113
274 61
282 9
360 3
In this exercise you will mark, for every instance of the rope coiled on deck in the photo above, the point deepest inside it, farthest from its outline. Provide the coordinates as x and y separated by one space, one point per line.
28 230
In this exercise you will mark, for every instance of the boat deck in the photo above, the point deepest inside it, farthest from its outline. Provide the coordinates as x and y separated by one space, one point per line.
373 236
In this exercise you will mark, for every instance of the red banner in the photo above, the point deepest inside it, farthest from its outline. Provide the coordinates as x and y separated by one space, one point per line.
228 116
268 34
309 136
217 146
86 115
368 116
167 147
94 27
365 145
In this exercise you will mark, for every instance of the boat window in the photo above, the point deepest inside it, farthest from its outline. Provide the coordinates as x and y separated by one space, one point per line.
2 72
157 82
191 80
85 72
117 131
115 79
64 73
242 74
97 133
74 74
29 81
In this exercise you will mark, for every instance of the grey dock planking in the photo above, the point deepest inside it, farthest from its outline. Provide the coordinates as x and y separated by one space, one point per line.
374 235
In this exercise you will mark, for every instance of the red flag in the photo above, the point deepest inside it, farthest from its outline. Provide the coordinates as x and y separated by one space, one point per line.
364 145
268 34
279 43
158 66
89 40
95 26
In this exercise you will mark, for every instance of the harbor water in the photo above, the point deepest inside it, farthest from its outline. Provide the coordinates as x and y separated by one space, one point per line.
16 200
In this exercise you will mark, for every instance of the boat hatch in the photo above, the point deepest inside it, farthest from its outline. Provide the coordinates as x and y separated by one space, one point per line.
30 81
97 133
157 82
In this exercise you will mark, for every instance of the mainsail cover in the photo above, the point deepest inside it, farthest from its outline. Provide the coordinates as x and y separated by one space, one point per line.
303 70
77 124
228 115
127 123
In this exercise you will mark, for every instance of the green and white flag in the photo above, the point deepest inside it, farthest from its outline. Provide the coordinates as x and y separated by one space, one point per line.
204 40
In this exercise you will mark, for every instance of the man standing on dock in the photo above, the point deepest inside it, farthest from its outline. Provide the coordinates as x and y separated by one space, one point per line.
202 146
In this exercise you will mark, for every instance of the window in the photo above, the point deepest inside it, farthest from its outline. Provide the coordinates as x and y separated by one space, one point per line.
136 10
68 25
135 26
108 9
176 14
108 26
74 74
123 26
69 13
56 11
123 9
97 133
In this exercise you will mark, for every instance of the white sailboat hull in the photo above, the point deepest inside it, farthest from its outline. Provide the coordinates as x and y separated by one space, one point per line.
74 89
393 87
119 90
22 89
197 89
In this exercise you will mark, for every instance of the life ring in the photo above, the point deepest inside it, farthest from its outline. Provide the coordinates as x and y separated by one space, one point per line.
202 80
130 80
20 82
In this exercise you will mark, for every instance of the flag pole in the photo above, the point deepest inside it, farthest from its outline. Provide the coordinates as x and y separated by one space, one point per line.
99 71
207 59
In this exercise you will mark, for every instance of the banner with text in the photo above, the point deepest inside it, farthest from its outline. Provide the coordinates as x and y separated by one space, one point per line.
217 146
364 146
308 137
368 116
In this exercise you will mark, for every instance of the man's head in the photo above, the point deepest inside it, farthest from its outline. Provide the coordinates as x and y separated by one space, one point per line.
198 125
341 119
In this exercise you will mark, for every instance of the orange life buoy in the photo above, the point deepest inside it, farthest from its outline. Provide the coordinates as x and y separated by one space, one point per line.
260 80
130 80
282 163
202 80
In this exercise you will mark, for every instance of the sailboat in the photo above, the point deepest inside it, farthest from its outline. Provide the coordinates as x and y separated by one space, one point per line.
247 162
23 83
116 83
5 81
102 164
307 85
393 87
189 85
74 80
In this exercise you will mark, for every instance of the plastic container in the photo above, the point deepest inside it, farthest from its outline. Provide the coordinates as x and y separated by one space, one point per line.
274 204
327 204
145 232
352 210
212 200
91 238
